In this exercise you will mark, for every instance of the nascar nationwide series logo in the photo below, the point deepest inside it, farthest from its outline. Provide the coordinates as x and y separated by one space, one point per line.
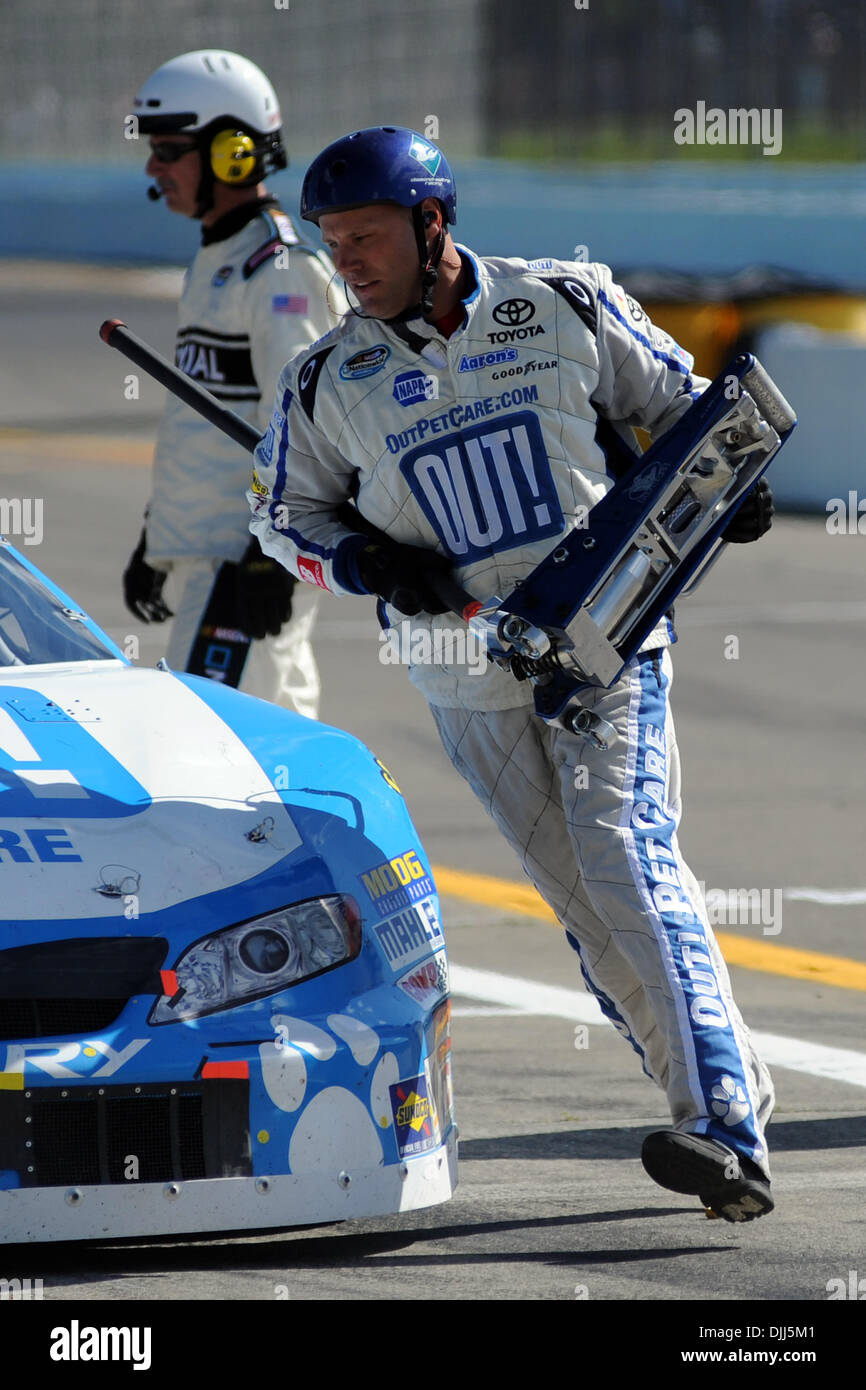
365 363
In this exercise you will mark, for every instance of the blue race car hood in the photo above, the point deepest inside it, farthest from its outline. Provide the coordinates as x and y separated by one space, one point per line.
118 782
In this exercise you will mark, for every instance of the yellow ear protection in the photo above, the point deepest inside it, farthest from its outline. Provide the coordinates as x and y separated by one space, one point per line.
233 156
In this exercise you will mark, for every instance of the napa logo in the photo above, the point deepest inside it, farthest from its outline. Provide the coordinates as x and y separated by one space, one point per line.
425 154
412 387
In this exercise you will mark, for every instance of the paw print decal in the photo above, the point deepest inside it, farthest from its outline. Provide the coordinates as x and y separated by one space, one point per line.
730 1101
334 1126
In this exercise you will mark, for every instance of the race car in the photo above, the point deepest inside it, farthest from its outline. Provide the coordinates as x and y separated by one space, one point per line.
223 979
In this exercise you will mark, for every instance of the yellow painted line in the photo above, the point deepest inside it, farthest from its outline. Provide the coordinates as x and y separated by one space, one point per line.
789 961
11 1081
55 447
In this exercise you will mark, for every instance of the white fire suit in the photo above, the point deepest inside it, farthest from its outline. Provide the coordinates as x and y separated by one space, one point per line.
252 298
485 446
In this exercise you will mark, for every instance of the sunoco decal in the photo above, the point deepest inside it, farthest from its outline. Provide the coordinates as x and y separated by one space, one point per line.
415 1120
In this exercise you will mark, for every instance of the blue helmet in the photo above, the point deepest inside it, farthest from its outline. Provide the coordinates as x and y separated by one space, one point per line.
385 164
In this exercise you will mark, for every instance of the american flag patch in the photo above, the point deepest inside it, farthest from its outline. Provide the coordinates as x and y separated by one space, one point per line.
289 303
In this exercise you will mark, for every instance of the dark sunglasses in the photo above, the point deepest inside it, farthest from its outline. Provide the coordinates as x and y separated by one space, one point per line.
168 153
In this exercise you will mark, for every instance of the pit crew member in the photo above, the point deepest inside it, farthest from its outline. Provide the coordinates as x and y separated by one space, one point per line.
472 407
253 296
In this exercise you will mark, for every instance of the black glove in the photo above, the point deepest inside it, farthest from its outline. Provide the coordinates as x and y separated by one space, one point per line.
142 587
400 574
755 516
263 593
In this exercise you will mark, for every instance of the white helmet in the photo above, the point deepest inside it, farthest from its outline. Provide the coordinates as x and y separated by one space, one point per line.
230 107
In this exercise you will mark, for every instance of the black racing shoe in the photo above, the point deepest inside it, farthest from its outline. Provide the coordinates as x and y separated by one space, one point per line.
728 1185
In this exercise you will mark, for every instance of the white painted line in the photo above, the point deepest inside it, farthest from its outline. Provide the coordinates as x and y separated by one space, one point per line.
834 1063
526 995
485 1011
530 996
850 898
817 611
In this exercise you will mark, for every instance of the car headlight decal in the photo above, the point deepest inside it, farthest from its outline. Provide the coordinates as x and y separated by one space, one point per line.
262 956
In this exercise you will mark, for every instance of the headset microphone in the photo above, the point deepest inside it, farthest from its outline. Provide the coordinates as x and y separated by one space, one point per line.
154 193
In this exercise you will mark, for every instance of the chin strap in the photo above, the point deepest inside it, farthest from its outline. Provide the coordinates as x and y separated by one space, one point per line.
429 267
429 260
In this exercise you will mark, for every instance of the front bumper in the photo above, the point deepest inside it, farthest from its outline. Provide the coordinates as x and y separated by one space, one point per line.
111 1211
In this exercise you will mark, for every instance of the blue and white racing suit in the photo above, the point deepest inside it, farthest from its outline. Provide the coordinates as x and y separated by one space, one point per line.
488 446
252 297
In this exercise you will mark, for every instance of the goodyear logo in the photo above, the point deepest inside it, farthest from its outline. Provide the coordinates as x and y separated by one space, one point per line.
258 486
398 882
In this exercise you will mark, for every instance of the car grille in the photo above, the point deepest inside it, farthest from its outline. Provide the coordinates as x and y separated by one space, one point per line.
80 985
56 1137
49 1018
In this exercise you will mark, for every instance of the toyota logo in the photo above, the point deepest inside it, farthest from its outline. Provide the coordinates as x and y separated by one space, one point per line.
514 312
